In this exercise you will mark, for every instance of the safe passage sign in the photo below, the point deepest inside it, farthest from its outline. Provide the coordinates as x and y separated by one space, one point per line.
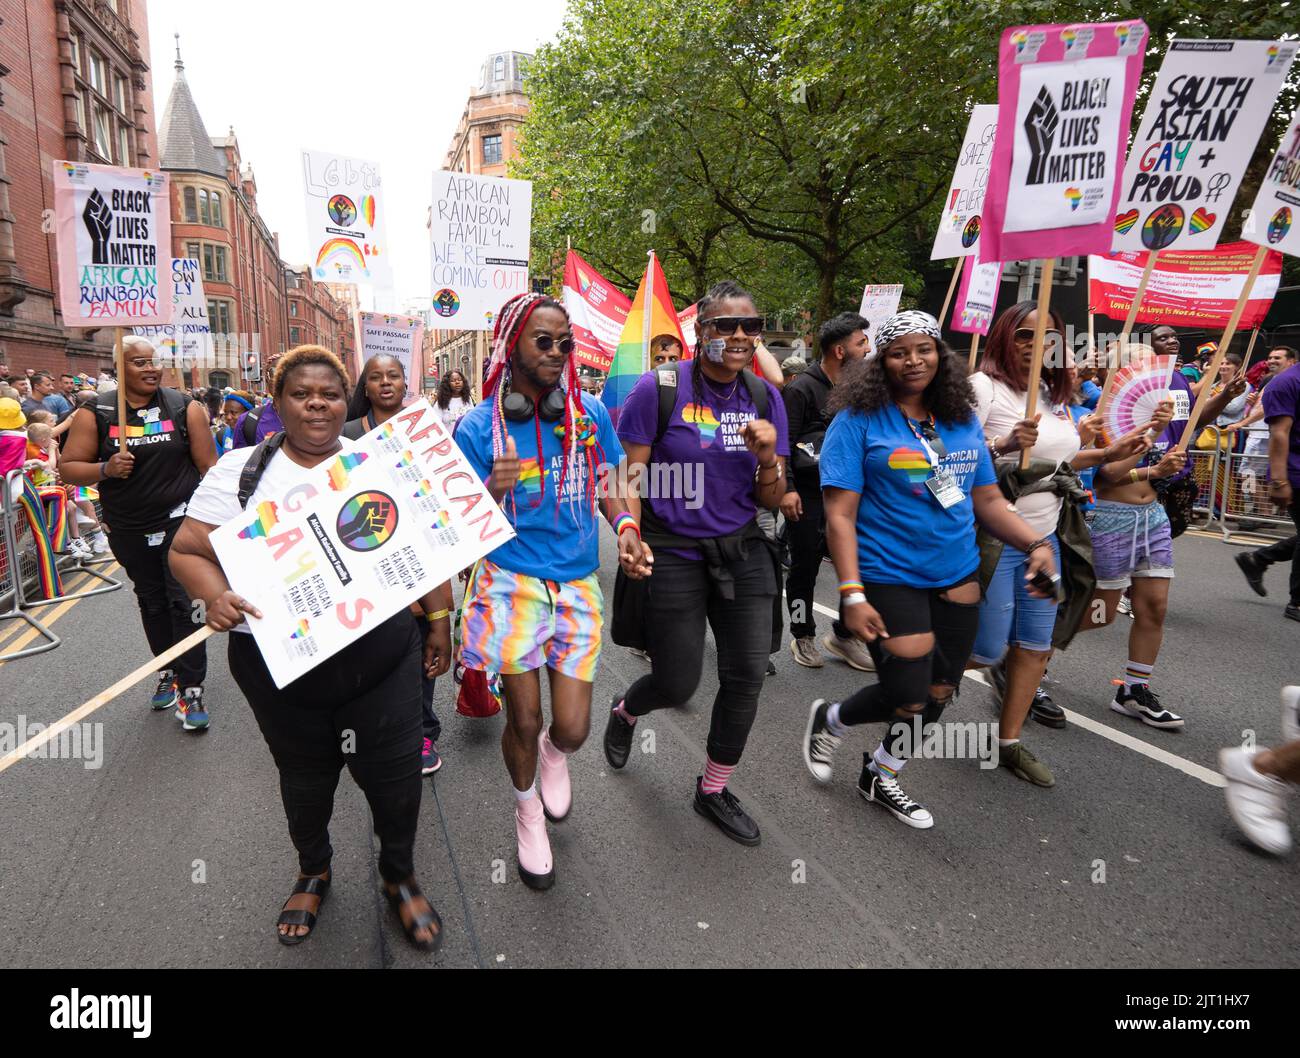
375 528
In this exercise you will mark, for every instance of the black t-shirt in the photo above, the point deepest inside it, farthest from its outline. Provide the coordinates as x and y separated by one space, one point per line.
164 477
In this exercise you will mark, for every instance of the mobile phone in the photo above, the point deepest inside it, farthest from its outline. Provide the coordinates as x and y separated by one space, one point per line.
1049 586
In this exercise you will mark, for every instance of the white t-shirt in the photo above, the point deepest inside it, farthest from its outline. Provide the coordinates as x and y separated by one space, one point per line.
999 408
449 416
216 500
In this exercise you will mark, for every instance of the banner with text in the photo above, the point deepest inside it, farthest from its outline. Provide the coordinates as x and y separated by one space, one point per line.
397 336
879 302
373 529
959 227
1209 105
1271 221
186 342
1065 99
597 309
113 236
479 231
346 221
1188 288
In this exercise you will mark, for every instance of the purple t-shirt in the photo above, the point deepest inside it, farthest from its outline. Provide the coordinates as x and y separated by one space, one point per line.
1282 399
711 483
1183 402
267 422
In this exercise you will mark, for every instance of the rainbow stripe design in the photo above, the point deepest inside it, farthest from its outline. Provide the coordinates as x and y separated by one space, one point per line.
530 478
368 209
1068 37
441 520
266 519
911 462
149 429
385 431
651 315
340 469
341 253
87 493
1124 222
1019 38
424 489
1074 196
407 460
1201 221
301 631
701 416
29 502
1272 54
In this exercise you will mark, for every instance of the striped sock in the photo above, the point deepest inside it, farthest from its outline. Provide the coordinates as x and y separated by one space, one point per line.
715 776
1136 673
622 713
886 764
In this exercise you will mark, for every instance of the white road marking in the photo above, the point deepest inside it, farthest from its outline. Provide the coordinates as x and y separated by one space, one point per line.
1121 738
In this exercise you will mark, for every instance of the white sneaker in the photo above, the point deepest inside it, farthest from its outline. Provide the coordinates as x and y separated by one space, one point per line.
1290 714
79 548
99 543
1125 608
1256 802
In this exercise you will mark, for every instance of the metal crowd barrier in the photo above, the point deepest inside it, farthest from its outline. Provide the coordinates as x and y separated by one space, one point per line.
1244 496
11 578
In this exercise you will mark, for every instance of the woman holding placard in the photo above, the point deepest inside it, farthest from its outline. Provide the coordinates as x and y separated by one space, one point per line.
360 706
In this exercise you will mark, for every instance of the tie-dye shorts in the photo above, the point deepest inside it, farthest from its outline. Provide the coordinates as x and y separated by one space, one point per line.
1130 540
513 623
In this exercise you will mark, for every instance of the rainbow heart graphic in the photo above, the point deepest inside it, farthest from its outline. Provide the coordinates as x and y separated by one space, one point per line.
1202 221
1074 196
1019 38
1125 221
1068 37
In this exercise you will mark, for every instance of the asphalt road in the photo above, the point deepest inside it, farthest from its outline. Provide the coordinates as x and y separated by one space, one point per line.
174 851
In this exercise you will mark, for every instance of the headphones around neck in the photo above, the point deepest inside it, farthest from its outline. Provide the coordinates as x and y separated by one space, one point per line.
519 407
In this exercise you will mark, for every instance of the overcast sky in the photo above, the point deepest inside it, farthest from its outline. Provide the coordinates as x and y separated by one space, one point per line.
385 81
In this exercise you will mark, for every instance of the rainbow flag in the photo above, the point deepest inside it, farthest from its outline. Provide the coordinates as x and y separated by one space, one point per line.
651 315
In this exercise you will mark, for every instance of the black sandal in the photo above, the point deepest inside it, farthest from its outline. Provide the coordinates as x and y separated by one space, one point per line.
313 887
407 892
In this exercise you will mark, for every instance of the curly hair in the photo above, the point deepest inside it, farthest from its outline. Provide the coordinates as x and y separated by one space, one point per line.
864 387
444 389
304 356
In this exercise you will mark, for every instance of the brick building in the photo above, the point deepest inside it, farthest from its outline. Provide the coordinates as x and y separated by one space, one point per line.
74 85
317 317
215 220
484 142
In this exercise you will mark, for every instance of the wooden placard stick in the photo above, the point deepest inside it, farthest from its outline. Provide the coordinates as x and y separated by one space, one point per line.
119 364
105 696
1228 332
952 289
974 349
1040 334
1137 297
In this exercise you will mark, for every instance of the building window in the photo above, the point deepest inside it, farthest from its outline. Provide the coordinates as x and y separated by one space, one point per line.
492 150
123 144
192 251
293 308
119 93
203 206
294 336
214 206
218 379
499 68
191 207
74 43
99 74
103 134
81 114
219 316
214 263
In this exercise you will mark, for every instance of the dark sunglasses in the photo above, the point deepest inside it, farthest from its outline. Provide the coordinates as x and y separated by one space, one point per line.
1026 334
726 325
935 441
545 341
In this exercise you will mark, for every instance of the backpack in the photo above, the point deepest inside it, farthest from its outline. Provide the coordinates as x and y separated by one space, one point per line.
256 466
174 404
666 383
249 426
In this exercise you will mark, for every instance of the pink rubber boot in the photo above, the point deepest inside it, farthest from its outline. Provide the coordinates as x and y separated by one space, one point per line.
535 865
553 764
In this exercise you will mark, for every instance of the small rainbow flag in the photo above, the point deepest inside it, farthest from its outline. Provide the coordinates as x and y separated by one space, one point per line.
339 469
266 518
651 315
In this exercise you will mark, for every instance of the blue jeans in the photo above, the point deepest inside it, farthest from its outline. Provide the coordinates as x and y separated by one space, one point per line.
1009 615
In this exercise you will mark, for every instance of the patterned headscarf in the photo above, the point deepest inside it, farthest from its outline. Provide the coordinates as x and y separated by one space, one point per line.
912 321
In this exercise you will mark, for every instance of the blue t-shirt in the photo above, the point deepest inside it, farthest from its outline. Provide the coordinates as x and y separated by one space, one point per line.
905 536
555 541
1091 393
1077 412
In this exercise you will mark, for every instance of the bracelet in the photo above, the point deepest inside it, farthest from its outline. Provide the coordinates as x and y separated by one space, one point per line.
855 598
1040 542
626 521
103 471
777 466
1133 476
437 615
851 585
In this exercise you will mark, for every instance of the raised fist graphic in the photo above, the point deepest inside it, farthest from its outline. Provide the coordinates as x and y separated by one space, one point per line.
99 220
1040 127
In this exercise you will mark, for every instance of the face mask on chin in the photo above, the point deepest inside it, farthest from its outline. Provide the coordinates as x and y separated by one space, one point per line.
714 349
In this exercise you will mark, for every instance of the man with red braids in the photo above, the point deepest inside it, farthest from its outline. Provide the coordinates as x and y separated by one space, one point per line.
544 448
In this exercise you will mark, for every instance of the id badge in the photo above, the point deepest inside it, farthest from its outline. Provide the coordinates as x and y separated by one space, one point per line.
945 489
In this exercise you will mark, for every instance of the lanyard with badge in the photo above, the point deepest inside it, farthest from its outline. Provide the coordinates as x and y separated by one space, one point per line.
942 485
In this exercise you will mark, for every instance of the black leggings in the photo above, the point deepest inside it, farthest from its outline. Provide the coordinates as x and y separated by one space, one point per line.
362 707
165 609
903 690
681 598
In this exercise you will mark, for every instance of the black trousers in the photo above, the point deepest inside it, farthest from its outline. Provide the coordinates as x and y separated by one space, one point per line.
681 598
807 540
165 609
1287 550
362 708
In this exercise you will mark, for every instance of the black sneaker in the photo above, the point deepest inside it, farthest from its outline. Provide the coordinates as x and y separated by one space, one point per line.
1142 702
1046 711
724 811
618 737
884 791
819 744
771 668
1250 569
1292 611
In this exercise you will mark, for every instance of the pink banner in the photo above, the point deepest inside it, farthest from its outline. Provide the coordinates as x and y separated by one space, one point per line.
597 311
1065 102
113 236
977 296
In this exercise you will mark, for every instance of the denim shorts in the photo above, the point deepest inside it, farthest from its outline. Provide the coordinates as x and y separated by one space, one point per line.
1009 615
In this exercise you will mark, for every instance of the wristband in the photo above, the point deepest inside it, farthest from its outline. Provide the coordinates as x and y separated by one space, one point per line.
626 521
851 585
1040 542
103 471
437 615
853 599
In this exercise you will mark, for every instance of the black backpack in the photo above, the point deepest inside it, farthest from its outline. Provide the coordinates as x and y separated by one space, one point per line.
256 466
174 404
249 426
666 383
